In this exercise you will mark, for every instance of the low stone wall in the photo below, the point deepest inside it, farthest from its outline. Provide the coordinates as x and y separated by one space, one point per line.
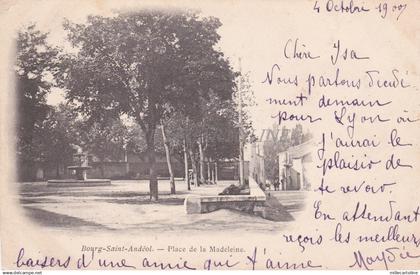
252 203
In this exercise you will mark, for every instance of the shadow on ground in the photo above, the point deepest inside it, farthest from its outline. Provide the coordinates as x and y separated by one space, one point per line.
145 200
51 219
275 211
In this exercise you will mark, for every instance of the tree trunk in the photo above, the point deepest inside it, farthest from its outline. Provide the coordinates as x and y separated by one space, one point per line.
127 166
241 141
57 170
101 167
153 183
186 176
213 180
201 153
208 170
215 172
194 167
168 159
241 163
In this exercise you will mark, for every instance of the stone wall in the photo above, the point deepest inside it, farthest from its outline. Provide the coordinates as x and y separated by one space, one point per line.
251 203
34 171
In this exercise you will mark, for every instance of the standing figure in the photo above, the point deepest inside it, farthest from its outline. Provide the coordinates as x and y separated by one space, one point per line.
276 184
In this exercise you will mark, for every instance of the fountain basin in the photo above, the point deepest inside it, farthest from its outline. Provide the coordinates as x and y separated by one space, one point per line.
80 171
78 183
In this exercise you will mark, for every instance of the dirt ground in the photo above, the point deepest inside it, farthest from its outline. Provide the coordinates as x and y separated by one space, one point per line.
125 206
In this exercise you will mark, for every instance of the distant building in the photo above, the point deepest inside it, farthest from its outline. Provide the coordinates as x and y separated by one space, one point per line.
282 154
294 166
256 162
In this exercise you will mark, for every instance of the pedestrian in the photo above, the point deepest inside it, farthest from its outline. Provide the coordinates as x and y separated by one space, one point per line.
268 184
276 184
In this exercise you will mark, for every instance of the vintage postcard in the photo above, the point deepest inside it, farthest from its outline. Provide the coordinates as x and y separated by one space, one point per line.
210 135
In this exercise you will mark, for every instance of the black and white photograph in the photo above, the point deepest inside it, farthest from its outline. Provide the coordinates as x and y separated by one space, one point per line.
141 112
214 135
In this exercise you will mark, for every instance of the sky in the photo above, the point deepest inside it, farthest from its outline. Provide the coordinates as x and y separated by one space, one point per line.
254 33
233 27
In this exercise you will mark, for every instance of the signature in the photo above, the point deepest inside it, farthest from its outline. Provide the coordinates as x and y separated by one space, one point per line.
385 257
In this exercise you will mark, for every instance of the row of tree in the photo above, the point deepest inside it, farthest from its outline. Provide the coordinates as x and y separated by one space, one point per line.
139 81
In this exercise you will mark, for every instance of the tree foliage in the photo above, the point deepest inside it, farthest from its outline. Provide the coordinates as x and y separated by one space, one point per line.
35 67
146 65
56 136
105 139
